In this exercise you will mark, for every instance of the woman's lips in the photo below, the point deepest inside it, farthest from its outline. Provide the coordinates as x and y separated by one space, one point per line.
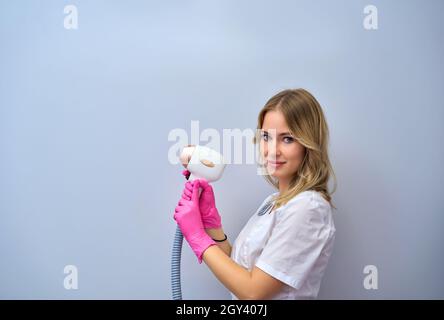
275 164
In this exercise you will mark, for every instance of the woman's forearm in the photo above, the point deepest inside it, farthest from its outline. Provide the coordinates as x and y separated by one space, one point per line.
219 234
234 277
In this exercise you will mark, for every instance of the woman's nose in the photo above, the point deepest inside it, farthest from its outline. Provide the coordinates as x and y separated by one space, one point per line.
272 150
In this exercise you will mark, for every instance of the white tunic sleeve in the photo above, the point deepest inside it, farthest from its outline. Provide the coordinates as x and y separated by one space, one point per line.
300 241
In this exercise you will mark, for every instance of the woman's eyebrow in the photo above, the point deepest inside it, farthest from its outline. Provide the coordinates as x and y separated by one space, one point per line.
281 134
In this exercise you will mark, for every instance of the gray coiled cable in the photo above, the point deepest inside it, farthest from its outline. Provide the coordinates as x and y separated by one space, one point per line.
175 265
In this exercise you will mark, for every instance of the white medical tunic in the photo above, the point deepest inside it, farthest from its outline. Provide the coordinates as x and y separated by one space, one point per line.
292 244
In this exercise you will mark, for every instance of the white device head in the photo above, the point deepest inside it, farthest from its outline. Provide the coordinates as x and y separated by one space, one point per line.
202 162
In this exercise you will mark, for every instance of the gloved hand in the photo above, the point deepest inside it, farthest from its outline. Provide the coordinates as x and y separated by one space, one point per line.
207 203
187 216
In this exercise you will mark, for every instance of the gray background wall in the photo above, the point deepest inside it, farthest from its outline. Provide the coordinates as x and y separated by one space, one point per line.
85 116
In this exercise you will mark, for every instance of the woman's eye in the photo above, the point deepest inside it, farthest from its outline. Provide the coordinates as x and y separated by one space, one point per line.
264 136
288 139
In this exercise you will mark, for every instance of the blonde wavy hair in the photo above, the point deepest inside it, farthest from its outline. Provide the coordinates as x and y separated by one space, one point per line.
306 122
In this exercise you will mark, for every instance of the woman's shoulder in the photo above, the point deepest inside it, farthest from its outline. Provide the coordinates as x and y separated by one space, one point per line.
307 208
309 199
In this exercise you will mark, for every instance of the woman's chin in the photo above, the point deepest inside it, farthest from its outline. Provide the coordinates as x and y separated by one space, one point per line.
274 173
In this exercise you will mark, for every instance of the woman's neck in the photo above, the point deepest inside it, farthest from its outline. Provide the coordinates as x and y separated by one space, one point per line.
283 186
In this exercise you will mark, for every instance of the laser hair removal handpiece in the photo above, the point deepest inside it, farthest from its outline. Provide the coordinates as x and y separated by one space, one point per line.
202 163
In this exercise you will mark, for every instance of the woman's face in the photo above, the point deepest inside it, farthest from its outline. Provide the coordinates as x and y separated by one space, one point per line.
282 153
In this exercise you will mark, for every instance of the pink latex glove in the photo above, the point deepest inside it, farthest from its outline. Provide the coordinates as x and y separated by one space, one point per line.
187 216
186 173
207 203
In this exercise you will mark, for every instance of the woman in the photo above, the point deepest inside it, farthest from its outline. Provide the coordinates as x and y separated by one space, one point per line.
282 253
